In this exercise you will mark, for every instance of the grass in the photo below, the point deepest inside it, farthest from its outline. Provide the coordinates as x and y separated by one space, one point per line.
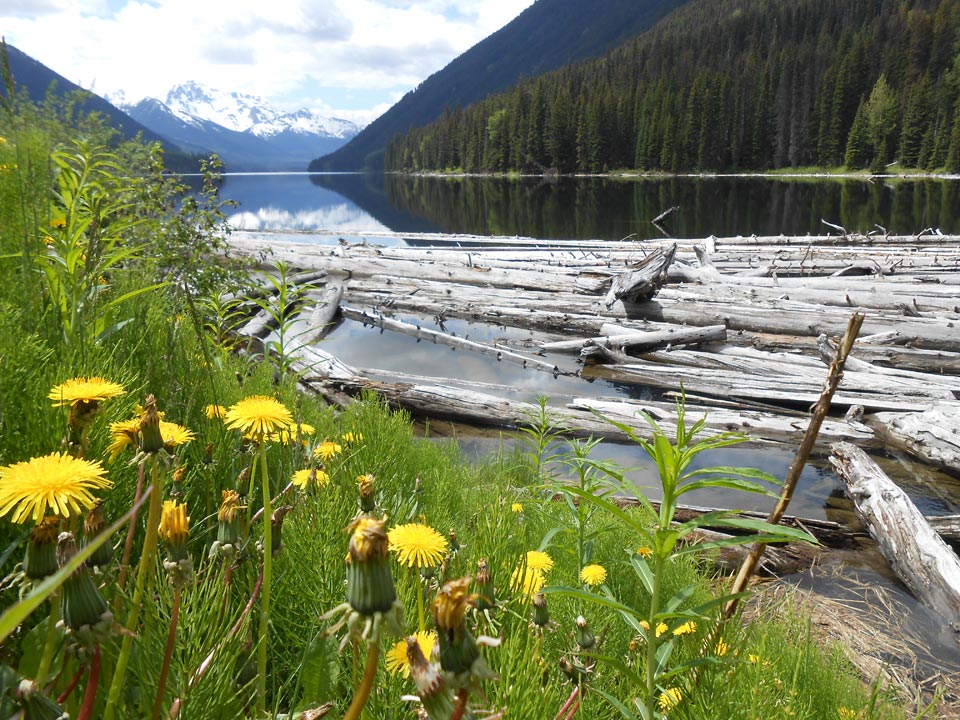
160 344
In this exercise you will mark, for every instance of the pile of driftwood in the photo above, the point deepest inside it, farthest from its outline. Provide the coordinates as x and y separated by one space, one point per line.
745 327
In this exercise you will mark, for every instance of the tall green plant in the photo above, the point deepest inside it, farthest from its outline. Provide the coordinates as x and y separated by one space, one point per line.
664 621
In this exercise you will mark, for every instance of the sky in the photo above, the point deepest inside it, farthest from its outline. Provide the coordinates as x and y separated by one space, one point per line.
351 59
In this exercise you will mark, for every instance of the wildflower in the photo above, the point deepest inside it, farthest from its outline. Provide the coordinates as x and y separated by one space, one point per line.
845 713
669 698
228 527
417 545
754 659
539 560
459 651
435 694
310 478
289 435
175 531
126 434
58 222
84 390
216 412
84 609
351 438
398 661
327 450
56 484
593 574
688 627
517 508
722 647
258 416
661 627
527 580
644 552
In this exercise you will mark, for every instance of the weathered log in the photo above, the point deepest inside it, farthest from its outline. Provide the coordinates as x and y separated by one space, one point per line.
777 561
434 336
920 558
317 318
643 342
643 280
932 435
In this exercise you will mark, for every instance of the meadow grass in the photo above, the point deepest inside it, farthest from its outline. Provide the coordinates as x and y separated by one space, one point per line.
496 509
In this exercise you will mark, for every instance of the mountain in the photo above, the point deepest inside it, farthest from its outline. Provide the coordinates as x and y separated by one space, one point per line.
37 79
545 36
247 132
728 85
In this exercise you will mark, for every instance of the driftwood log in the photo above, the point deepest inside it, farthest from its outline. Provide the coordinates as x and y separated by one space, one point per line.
925 563
643 280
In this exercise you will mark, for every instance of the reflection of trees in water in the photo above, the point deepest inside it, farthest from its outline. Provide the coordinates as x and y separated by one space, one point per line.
613 208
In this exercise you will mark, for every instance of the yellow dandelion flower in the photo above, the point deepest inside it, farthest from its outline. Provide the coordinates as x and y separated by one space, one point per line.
593 574
845 713
417 545
327 450
303 478
174 435
396 657
174 523
754 659
527 580
126 434
661 627
517 508
688 627
77 390
55 484
669 698
722 647
216 412
644 552
351 438
539 560
258 416
58 222
288 435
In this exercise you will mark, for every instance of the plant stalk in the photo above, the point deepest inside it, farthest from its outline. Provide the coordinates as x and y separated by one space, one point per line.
366 684
90 694
128 544
49 644
146 565
834 376
461 707
167 655
267 576
652 636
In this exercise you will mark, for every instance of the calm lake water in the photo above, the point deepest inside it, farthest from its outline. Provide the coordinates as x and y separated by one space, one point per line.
394 210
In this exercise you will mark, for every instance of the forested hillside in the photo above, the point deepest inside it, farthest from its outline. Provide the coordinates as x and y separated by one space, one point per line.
545 36
726 85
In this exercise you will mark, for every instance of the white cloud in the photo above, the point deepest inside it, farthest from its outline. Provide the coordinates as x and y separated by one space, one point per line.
281 49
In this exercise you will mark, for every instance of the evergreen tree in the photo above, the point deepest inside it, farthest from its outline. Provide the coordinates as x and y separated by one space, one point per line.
858 151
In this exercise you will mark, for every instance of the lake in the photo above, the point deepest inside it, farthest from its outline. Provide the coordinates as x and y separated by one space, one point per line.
391 210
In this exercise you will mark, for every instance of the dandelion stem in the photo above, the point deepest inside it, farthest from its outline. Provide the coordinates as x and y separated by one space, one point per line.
128 545
144 569
49 644
167 655
366 684
420 590
71 686
460 708
90 694
267 576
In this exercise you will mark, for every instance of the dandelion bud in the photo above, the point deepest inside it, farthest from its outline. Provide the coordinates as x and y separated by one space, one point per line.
541 614
228 527
40 559
243 482
454 541
36 705
486 594
207 458
459 652
437 697
175 532
151 441
176 489
585 637
277 522
93 523
367 488
370 586
84 608
574 670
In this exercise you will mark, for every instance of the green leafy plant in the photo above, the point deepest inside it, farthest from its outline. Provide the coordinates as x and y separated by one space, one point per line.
662 625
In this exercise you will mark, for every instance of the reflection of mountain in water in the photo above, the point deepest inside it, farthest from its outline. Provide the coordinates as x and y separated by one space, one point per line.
368 192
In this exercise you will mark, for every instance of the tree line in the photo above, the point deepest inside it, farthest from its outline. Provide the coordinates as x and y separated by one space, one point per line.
727 85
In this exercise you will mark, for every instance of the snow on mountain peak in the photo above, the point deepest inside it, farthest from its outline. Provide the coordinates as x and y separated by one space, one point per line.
248 113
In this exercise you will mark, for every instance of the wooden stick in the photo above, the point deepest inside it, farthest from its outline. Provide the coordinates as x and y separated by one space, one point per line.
803 452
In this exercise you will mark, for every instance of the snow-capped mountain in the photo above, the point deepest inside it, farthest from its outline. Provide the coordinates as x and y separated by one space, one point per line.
246 131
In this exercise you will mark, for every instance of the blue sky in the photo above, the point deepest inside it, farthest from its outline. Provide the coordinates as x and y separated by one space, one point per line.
348 58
